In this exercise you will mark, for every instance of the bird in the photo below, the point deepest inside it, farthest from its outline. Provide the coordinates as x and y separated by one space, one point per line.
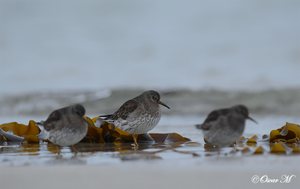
223 127
65 126
138 115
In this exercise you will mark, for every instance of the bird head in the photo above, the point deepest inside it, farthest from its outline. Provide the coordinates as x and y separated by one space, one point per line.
243 110
154 97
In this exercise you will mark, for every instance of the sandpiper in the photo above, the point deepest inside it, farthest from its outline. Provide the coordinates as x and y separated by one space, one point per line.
223 127
65 126
138 115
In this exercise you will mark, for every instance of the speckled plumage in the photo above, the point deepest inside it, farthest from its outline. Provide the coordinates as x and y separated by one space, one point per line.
65 126
138 115
224 127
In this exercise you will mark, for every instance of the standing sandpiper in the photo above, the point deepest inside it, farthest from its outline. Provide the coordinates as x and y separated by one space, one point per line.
65 126
224 127
138 115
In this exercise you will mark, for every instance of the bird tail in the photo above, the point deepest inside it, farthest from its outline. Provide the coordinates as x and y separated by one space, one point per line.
199 126
203 127
43 135
106 117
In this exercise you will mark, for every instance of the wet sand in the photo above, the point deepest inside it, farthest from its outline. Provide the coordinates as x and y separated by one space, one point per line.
213 173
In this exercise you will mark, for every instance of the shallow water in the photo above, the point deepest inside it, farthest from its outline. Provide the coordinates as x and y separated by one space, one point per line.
187 109
13 154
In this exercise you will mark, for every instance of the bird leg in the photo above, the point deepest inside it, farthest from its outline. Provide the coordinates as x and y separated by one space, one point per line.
135 144
235 148
59 156
74 149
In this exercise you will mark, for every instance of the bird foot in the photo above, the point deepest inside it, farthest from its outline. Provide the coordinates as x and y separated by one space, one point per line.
135 146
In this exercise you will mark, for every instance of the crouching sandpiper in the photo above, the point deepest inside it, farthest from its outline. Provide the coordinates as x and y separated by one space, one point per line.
223 127
65 126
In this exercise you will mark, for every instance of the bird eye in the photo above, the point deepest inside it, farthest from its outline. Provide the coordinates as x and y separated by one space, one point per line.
79 110
154 98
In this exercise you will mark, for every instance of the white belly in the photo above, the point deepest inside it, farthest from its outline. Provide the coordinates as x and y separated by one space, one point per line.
140 125
67 137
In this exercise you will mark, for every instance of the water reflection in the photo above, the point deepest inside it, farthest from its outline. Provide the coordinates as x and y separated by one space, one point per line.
14 154
45 153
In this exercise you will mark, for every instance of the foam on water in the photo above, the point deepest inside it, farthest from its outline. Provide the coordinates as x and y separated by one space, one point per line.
283 102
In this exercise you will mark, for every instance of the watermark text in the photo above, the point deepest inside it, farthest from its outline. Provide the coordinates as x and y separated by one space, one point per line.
265 179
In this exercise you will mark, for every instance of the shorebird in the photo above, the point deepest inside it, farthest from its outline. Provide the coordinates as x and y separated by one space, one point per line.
65 126
223 127
138 115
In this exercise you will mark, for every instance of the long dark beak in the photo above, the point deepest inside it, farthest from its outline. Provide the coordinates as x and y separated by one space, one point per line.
163 104
250 118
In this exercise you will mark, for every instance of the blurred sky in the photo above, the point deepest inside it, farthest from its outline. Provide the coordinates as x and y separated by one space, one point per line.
97 44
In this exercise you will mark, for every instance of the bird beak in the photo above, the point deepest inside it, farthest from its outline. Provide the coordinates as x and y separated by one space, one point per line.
163 104
252 119
41 123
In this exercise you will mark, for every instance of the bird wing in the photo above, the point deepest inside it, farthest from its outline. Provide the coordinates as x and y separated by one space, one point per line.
123 112
214 115
126 109
54 116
